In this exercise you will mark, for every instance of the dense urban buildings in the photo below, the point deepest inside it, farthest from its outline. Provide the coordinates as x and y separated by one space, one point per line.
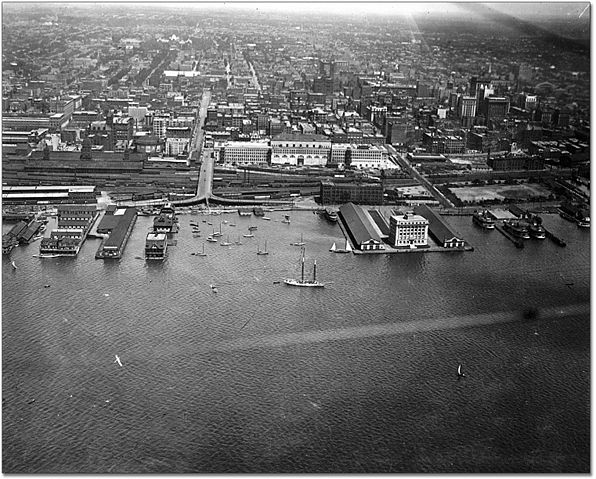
296 237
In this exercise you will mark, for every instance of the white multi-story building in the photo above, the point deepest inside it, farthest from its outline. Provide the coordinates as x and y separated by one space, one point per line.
245 152
300 150
408 231
361 156
176 146
160 123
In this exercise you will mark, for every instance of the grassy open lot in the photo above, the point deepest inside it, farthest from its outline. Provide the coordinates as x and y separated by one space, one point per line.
500 192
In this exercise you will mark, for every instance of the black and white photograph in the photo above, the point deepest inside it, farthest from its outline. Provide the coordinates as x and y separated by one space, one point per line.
296 237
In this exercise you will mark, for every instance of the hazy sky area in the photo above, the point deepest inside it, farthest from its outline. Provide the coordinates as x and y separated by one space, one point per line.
524 10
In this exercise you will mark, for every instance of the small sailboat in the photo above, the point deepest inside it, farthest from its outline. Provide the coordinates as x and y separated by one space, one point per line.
202 253
299 243
14 266
249 234
211 239
459 373
263 252
117 360
286 219
346 249
226 243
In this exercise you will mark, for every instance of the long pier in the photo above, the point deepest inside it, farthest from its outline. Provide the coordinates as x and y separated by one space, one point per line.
555 239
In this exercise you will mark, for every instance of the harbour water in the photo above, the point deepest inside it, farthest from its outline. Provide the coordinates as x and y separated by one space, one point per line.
261 377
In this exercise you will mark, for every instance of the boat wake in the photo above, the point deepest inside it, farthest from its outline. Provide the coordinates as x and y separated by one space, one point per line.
387 329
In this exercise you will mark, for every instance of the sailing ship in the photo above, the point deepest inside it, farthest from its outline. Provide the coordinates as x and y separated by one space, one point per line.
226 243
346 249
202 253
263 252
299 243
310 283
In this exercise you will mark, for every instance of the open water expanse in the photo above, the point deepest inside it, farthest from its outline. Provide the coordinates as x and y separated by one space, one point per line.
261 377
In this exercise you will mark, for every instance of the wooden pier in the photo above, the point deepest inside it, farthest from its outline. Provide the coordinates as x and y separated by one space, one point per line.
554 238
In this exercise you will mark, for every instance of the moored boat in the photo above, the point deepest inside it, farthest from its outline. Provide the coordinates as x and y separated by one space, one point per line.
482 219
308 283
516 228
331 215
536 229
575 212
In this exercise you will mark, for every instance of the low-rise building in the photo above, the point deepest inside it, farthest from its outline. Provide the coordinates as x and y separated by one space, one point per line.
360 227
439 229
359 156
245 152
362 193
300 150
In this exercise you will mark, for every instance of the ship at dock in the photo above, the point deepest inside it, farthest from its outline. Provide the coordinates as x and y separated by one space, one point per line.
166 221
331 215
517 228
483 219
535 228
578 213
156 246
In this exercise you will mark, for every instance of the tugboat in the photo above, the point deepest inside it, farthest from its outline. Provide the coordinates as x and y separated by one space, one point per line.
482 219
516 228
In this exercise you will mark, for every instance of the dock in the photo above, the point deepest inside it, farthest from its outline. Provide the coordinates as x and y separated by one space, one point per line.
516 241
555 239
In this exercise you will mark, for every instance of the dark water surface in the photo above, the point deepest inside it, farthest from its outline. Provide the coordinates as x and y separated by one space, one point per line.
261 377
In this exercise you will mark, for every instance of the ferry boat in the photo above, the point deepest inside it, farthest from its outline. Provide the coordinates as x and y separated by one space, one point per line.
482 219
306 283
516 228
165 221
575 212
536 229
156 245
331 215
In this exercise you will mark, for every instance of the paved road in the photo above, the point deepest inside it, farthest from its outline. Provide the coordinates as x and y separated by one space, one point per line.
197 139
407 166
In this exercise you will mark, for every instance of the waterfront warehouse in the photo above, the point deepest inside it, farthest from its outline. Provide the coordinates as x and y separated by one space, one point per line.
360 228
113 246
440 230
